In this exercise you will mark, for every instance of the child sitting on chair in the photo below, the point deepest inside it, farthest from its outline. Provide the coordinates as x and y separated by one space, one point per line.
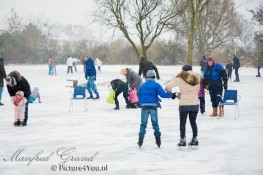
19 102
34 95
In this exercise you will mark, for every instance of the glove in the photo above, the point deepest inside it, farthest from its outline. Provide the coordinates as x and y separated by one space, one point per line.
158 77
174 95
86 77
225 86
95 79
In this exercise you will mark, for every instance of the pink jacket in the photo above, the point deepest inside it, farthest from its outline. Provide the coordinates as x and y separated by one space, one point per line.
20 108
133 96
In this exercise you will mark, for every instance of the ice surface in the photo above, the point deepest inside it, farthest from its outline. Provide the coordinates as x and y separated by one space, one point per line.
227 146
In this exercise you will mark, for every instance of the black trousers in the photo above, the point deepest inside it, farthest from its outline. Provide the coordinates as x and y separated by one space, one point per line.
236 73
202 104
192 118
229 75
70 68
123 89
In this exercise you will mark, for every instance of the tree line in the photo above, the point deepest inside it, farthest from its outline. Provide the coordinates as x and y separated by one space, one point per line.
200 27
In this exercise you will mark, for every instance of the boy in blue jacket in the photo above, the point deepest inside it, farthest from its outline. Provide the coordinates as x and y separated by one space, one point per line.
148 99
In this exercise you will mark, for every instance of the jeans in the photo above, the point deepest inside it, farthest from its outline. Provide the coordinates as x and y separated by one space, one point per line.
26 113
1 92
192 118
91 86
144 119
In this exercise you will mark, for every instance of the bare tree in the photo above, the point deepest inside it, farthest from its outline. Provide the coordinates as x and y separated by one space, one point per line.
193 17
139 19
220 24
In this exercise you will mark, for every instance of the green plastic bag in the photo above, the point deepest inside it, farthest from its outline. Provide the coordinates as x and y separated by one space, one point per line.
111 97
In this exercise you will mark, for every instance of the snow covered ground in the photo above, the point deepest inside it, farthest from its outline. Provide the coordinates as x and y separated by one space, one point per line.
227 146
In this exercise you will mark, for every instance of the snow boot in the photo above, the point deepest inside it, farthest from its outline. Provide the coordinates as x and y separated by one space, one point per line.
214 114
158 141
90 97
117 106
182 142
140 142
22 123
1 104
194 142
16 123
221 111
97 97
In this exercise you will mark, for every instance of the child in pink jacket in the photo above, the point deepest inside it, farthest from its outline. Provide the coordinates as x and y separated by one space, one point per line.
19 102
133 98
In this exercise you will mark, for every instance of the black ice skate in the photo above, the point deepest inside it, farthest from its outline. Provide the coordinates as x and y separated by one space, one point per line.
90 97
194 142
158 141
182 142
140 142
16 123
97 97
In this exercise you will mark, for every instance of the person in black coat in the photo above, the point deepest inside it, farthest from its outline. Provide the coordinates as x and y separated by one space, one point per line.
146 65
229 69
15 82
236 65
120 86
203 64
2 77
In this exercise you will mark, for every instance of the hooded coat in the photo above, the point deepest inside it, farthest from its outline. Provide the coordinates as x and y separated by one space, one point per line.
189 84
22 85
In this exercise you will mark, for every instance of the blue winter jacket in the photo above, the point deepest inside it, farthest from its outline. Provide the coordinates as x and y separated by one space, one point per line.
215 73
90 68
149 91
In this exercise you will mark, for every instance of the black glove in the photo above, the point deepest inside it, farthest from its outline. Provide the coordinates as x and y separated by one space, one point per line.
158 77
174 95
86 77
95 79
225 86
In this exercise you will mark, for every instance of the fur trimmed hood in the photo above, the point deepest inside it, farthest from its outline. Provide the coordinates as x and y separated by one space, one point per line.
189 77
16 75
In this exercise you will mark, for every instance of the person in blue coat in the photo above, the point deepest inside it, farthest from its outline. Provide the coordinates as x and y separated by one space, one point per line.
90 75
148 99
215 79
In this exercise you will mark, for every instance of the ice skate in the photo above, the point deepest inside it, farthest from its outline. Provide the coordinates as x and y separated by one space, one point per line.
158 141
140 142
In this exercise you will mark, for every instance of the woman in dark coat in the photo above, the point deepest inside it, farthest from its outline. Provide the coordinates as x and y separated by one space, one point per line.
15 82
2 77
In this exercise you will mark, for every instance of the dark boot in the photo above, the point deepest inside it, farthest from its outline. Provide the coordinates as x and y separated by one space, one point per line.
90 97
158 141
182 142
16 123
97 97
1 104
22 123
194 142
140 142
117 106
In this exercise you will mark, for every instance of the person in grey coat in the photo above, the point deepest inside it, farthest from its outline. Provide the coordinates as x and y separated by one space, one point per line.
133 79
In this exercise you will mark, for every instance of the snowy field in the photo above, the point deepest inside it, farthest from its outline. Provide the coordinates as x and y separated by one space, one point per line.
227 146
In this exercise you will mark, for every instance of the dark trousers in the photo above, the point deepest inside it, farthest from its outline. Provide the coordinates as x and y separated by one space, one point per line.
202 104
70 68
229 75
192 118
236 73
119 90
214 90
259 71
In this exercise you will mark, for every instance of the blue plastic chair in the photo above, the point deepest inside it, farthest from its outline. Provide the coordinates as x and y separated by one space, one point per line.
79 94
231 98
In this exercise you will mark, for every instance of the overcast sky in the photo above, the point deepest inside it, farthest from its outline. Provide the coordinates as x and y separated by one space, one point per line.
75 11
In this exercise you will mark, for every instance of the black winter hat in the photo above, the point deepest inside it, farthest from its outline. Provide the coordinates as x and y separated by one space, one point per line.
187 67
